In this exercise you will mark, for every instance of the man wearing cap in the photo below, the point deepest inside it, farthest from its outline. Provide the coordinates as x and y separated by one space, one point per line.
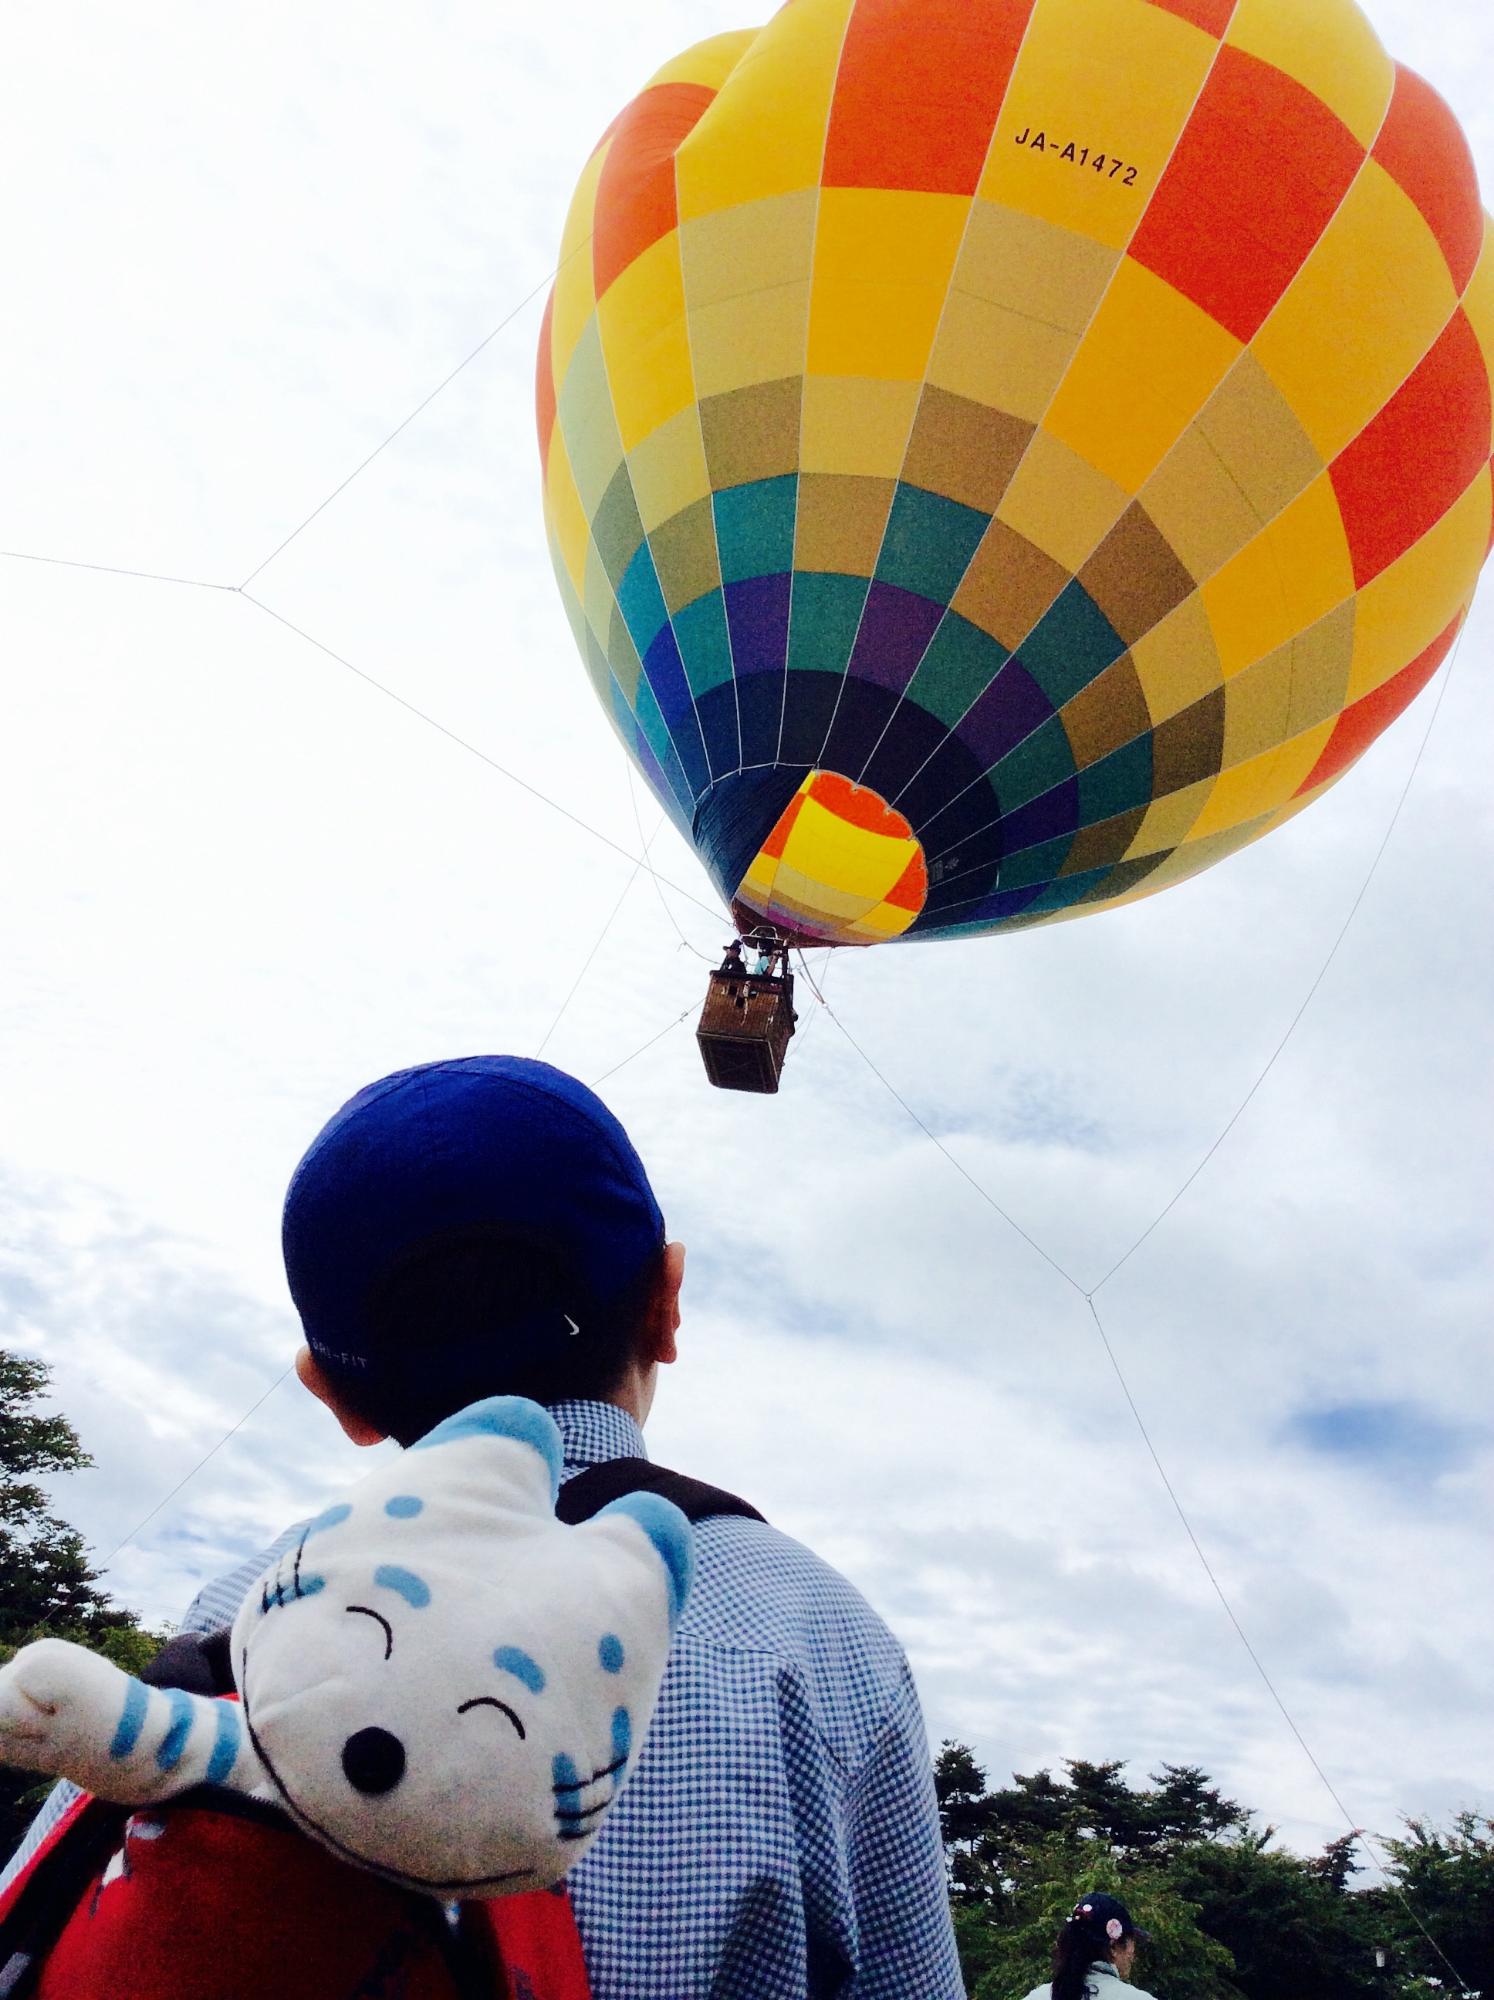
485 1227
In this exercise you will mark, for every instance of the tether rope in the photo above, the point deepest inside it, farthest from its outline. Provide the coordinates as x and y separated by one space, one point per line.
1358 1832
1322 974
118 569
644 1047
1355 1828
575 986
442 729
424 404
654 876
932 1136
187 1477
608 921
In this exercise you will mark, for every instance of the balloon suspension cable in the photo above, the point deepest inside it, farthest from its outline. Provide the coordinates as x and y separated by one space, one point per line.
985 1194
185 1481
234 589
1359 1834
796 1047
119 569
451 735
1322 973
601 938
242 590
422 715
1358 1831
1315 986
668 1028
654 876
424 404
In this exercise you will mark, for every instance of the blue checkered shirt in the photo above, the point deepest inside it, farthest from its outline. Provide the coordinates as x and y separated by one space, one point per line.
779 1838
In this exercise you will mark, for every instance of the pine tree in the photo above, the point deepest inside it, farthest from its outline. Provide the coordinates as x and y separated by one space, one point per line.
47 1583
46 1579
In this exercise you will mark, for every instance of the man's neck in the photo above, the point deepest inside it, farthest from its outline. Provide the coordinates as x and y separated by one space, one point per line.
634 1395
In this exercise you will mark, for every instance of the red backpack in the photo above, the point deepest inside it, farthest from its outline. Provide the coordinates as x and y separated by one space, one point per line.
213 1896
219 1897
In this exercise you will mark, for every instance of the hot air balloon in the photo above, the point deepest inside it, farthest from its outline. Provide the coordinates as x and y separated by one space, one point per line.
1001 456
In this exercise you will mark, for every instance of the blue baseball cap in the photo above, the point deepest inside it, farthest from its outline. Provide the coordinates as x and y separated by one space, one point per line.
481 1147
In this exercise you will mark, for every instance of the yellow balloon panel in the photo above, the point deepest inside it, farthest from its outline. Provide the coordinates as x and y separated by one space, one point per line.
765 133
1362 312
1328 47
883 260
1063 93
1151 352
839 866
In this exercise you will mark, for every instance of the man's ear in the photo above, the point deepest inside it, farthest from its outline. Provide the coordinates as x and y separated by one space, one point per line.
310 1375
664 1309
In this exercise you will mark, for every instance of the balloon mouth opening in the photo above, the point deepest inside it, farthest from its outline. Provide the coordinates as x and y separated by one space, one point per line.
840 867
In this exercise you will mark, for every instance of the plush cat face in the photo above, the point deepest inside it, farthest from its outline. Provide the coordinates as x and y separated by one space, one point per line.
445 1683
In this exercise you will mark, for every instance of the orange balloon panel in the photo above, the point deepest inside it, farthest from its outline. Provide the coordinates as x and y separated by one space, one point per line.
1003 455
840 866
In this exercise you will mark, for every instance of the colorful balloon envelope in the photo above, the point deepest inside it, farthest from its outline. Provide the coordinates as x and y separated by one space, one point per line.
1003 455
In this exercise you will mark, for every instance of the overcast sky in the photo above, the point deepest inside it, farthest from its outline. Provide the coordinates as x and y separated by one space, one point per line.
239 247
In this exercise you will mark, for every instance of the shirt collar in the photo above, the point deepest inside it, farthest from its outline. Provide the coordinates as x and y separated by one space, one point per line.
1103 1965
591 1433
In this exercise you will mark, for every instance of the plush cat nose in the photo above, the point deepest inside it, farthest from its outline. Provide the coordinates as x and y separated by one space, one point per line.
373 1761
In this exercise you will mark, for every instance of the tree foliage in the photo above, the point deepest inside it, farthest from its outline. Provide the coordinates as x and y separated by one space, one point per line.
1445 1924
30 1443
47 1583
1231 1915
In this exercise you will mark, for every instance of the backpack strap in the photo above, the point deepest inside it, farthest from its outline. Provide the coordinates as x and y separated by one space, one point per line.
46 1896
599 1485
198 1662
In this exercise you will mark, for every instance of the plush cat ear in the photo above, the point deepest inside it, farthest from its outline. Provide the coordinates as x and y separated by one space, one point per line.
669 1531
503 1417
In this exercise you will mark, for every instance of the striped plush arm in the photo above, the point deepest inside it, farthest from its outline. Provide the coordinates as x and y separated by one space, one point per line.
66 1711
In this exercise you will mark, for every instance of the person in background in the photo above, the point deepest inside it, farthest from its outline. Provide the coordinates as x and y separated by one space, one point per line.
1096 1945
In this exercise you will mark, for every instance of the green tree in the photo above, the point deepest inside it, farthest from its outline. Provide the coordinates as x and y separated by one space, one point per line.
1180 1958
960 1787
1291 1925
28 1442
45 1576
47 1584
1021 1857
1446 1900
1233 1916
1185 1808
1094 1802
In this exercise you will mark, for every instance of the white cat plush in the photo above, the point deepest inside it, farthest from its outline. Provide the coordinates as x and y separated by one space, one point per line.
440 1682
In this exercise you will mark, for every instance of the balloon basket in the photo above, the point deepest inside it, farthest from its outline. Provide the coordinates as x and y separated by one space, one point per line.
745 1027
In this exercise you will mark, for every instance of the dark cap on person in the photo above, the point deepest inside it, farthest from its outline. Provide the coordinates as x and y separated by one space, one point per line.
479 1155
1100 1911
